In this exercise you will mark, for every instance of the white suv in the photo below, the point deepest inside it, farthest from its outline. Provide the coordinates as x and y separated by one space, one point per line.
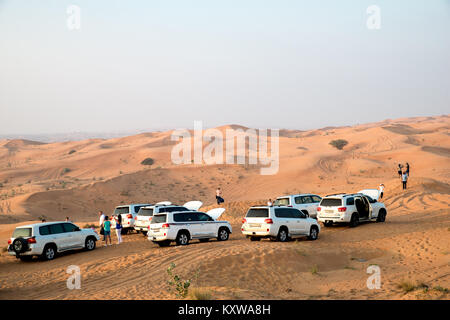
306 203
47 239
351 208
186 225
128 213
281 223
145 214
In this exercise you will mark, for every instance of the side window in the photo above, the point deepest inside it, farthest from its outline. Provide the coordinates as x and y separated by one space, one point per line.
136 208
298 200
316 199
191 216
297 214
179 217
350 201
56 228
69 227
43 231
306 199
203 217
279 213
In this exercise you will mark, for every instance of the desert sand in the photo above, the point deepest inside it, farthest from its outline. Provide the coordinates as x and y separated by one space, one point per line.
77 178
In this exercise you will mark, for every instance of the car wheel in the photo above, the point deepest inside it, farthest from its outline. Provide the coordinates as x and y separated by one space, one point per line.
182 238
381 216
328 223
313 233
283 235
90 244
124 231
49 252
223 234
354 221
144 233
163 243
20 245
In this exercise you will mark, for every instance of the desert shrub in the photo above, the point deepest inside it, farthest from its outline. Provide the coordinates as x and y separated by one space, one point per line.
176 284
147 162
124 193
200 294
90 226
66 170
72 151
339 143
314 269
407 286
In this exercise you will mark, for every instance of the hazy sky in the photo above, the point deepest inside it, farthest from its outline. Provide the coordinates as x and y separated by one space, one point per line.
163 64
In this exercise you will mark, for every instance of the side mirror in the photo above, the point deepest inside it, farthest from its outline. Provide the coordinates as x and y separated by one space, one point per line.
77 229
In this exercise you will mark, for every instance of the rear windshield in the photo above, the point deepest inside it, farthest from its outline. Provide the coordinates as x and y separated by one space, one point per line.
330 202
22 232
147 212
282 202
258 213
121 210
159 218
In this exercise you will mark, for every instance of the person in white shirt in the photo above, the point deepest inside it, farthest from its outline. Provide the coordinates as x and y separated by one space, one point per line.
381 190
404 179
101 220
270 203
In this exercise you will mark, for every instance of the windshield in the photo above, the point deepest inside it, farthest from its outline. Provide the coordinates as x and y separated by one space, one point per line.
258 213
146 212
282 202
22 232
159 218
121 210
330 202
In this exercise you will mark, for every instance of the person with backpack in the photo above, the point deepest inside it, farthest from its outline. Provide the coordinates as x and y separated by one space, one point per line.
107 230
119 228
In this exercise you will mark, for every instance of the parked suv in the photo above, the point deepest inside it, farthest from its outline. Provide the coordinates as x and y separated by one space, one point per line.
307 203
281 223
47 239
145 214
351 208
182 226
128 213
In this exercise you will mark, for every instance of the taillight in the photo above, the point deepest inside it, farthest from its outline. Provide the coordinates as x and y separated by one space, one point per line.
342 209
244 220
31 240
9 241
150 219
165 225
129 216
268 221
319 208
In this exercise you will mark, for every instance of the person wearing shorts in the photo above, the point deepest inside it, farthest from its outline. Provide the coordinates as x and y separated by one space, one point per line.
107 230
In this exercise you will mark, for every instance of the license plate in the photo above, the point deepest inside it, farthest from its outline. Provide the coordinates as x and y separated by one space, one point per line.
155 230
255 225
329 211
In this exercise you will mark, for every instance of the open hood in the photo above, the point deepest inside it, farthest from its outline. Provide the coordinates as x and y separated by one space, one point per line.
373 193
163 203
215 213
193 205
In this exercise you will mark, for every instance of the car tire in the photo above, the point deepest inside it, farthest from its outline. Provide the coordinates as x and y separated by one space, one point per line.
124 231
313 233
223 234
90 243
354 220
49 252
144 233
255 238
283 235
328 223
182 238
165 243
381 216
20 245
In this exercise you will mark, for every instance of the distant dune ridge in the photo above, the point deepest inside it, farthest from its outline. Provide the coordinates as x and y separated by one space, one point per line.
77 178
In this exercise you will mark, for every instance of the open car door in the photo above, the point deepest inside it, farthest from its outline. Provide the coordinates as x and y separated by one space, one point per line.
215 213
373 193
193 205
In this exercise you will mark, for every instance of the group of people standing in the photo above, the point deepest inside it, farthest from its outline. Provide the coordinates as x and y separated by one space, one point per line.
403 172
105 227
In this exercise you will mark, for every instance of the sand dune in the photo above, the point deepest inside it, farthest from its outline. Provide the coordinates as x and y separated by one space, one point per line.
78 178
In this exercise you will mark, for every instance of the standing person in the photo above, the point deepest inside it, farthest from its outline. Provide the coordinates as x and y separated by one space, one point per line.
400 166
101 216
407 169
67 219
219 196
107 230
381 190
270 203
119 228
404 179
